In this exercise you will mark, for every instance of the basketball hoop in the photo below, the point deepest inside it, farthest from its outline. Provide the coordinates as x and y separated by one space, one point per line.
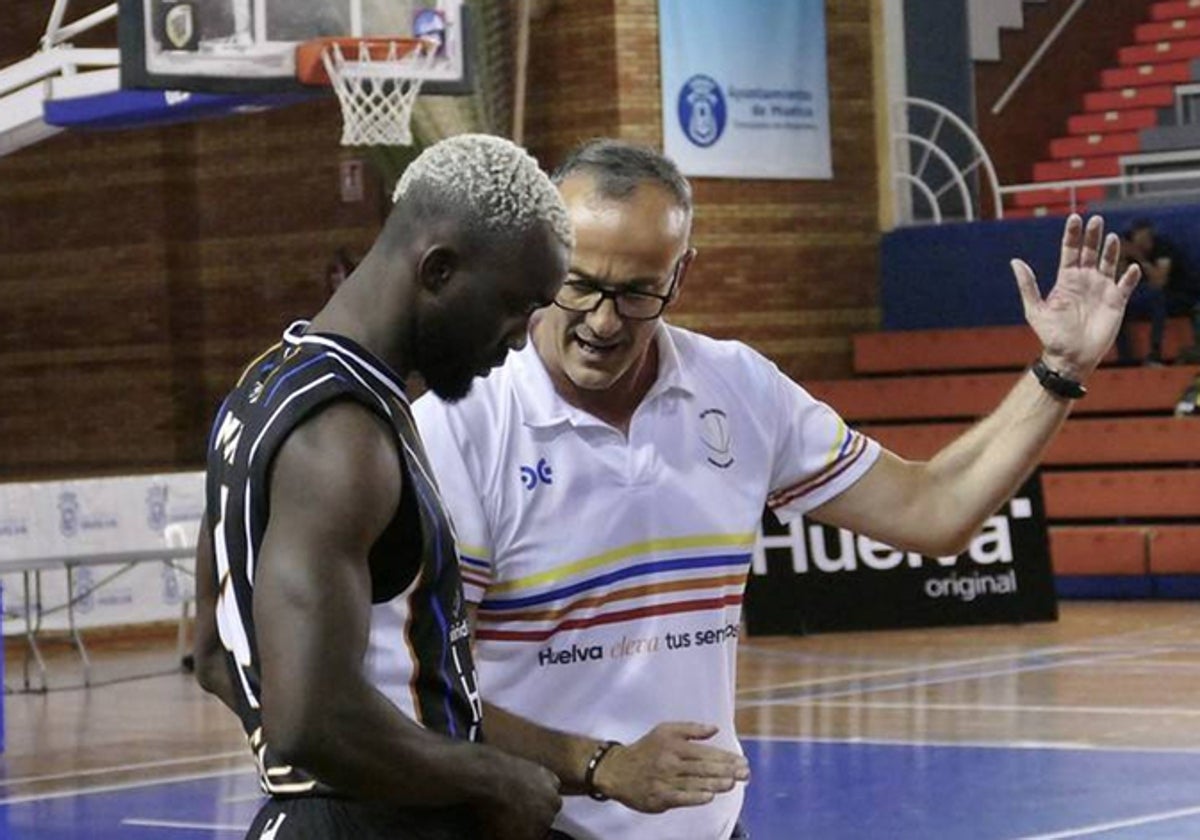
376 80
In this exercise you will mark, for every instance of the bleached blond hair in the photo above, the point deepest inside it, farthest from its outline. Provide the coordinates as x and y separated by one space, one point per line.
495 183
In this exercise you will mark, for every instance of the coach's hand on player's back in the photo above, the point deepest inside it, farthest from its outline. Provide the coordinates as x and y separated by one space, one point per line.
523 802
667 768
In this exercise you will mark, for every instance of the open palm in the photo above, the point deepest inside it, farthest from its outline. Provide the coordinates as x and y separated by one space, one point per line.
1079 319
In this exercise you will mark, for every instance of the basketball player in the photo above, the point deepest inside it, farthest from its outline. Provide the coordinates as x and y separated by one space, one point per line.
330 610
607 484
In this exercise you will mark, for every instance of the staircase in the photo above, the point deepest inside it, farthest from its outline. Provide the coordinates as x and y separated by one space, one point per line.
1143 119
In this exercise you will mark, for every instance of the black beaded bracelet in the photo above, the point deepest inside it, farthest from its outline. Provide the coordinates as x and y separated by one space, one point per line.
589 775
1055 382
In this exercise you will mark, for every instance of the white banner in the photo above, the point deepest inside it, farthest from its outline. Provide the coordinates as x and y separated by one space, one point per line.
89 518
744 87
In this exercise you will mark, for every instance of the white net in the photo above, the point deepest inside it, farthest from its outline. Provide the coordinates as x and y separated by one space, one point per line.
377 92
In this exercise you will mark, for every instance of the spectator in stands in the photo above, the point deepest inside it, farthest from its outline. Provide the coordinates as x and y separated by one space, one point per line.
1168 289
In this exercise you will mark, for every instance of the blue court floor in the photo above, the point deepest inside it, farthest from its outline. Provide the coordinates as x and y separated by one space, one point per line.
801 789
1083 728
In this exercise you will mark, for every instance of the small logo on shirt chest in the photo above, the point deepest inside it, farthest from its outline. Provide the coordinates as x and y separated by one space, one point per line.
541 473
714 432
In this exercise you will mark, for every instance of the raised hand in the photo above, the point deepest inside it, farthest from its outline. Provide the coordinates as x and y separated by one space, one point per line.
1079 319
668 768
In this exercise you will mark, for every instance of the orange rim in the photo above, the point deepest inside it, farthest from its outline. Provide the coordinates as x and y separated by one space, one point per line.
310 67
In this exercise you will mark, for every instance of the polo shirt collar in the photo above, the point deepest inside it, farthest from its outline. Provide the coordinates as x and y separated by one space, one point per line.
542 406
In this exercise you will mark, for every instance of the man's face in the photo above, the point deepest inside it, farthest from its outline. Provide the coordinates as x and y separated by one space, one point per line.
634 244
483 311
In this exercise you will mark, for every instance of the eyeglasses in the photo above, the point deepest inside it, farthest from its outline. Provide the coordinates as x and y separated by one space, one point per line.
586 296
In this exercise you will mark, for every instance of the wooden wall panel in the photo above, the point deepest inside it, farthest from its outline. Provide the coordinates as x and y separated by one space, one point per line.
789 266
141 269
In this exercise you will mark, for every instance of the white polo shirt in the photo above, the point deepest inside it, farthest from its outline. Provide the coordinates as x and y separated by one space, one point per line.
609 571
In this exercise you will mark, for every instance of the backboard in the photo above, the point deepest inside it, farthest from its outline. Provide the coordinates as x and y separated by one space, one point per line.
249 46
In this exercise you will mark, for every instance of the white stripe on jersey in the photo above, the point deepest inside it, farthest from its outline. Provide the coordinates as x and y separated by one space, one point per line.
363 382
230 627
249 531
325 342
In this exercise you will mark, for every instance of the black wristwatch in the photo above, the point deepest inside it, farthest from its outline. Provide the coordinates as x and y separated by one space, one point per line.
1056 383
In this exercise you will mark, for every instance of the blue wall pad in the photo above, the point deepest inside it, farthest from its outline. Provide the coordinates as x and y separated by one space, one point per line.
1104 586
957 275
1176 586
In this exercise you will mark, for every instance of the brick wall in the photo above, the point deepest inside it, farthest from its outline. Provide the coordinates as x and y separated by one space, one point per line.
572 79
141 269
789 266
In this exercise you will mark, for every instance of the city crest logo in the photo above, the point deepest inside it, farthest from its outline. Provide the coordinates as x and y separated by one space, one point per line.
702 110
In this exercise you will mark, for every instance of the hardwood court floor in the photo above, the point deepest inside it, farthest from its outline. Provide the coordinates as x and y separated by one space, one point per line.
1085 727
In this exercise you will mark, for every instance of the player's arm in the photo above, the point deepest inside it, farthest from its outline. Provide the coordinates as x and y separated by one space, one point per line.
335 486
666 768
212 672
935 507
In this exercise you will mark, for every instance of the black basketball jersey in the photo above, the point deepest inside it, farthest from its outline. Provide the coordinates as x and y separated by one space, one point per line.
419 654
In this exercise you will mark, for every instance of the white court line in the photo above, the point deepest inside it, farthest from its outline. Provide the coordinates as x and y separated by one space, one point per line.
910 669
1153 665
191 826
1070 746
244 797
120 768
941 680
170 780
830 658
1100 828
1014 707
1050 650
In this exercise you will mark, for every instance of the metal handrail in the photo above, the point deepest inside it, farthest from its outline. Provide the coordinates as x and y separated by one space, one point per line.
1111 180
1036 58
1072 187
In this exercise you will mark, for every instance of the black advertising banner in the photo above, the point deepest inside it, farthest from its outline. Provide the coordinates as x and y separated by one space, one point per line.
809 578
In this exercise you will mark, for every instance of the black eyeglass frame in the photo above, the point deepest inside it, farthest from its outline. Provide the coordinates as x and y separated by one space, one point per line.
609 293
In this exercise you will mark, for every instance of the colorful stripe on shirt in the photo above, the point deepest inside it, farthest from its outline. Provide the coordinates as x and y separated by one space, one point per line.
475 571
650 578
844 453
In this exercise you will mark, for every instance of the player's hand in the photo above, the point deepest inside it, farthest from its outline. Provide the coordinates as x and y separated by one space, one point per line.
525 803
668 767
1078 320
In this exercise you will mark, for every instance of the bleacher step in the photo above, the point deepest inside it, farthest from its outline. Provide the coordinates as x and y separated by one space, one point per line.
981 348
1158 96
1178 29
1173 9
1112 121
